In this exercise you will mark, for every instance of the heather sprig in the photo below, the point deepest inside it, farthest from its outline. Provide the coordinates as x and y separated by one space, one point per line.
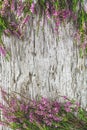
14 15
21 113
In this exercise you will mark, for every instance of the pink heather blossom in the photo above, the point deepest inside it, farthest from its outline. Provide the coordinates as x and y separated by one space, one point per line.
4 8
77 104
13 5
31 117
47 11
7 31
57 23
65 97
48 122
2 123
47 14
20 8
67 109
25 21
1 106
32 7
5 3
56 119
22 107
17 33
55 13
44 112
50 115
68 104
41 107
2 51
47 5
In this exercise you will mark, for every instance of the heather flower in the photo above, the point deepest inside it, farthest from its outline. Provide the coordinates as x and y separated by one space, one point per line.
27 108
47 11
32 7
67 109
68 104
55 13
2 51
41 107
20 8
65 97
22 107
47 14
40 114
2 123
1 106
66 13
57 119
5 5
77 104
7 31
48 123
57 23
31 118
44 101
13 5
25 21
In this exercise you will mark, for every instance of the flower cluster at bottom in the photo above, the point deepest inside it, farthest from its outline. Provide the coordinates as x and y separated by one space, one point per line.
20 113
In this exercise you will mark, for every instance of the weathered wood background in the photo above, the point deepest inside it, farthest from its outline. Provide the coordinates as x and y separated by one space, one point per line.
45 63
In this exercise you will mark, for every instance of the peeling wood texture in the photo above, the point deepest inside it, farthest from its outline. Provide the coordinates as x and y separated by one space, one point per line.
45 63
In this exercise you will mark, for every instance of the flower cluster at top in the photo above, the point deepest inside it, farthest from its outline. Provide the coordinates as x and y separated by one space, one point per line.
15 14
20 113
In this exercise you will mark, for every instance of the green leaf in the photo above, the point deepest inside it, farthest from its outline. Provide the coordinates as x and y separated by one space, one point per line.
86 50
81 52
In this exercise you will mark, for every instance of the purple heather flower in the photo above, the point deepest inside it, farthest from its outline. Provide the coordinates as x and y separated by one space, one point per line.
1 106
20 8
56 109
44 101
26 108
50 115
65 97
22 107
77 104
31 117
67 109
13 5
56 119
25 20
7 31
57 23
2 51
48 122
47 14
2 123
32 7
55 13
68 104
